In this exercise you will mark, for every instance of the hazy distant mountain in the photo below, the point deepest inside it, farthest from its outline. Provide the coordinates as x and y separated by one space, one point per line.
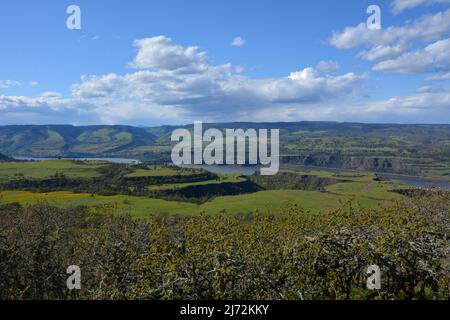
376 147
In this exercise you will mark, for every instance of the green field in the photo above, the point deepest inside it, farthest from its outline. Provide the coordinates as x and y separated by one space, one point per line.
223 178
158 171
361 190
136 205
45 169
265 201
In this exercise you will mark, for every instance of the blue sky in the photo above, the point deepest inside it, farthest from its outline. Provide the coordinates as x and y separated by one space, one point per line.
171 62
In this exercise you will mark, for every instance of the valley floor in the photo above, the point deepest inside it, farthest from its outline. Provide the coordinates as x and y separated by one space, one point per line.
356 188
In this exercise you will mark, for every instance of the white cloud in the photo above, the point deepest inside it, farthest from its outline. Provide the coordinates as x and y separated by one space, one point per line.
5 84
210 90
428 36
427 28
33 84
328 66
52 108
175 85
160 53
424 89
51 95
423 101
381 53
399 6
439 77
435 57
426 106
216 92
238 42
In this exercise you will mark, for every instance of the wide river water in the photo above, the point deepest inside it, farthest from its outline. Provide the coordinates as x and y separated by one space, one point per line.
112 160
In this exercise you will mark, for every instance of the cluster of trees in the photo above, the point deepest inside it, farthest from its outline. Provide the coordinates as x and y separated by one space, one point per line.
203 193
297 255
293 181
113 180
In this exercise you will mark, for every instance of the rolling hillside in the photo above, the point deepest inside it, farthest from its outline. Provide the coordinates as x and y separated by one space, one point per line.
66 140
410 149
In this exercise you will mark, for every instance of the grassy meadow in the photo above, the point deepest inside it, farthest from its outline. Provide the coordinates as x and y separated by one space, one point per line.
45 169
358 189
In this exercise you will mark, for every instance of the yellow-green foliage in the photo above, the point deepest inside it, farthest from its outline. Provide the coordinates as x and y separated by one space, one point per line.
292 256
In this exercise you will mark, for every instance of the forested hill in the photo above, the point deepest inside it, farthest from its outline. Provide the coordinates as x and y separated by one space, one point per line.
377 147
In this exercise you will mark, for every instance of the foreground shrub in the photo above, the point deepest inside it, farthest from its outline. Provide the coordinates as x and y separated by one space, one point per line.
295 256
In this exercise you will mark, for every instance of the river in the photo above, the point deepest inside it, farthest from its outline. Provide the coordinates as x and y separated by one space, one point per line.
225 169
112 160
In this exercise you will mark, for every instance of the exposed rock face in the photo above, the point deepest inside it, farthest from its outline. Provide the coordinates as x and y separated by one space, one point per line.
293 182
394 165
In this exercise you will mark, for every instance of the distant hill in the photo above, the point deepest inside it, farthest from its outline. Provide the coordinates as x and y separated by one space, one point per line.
4 158
66 140
413 149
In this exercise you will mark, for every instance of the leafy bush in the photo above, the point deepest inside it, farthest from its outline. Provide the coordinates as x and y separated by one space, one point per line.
294 256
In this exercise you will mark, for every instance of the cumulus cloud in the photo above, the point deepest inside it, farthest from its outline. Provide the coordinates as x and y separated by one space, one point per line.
416 47
5 84
399 6
210 91
435 57
175 84
53 108
424 100
424 106
427 28
381 53
161 53
439 77
238 42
